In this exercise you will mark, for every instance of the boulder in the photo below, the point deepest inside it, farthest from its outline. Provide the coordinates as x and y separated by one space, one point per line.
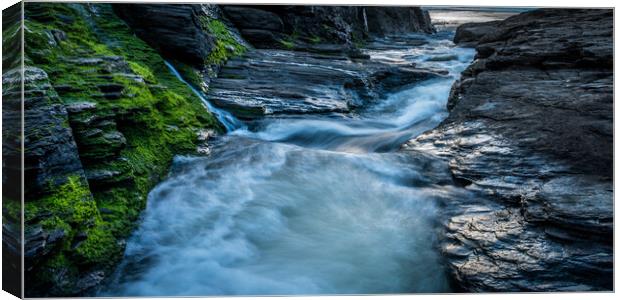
468 34
390 20
253 18
175 30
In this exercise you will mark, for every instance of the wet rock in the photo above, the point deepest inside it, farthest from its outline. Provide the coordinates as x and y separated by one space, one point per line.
304 27
468 34
98 144
389 20
59 35
254 18
50 150
90 280
79 107
265 82
101 179
39 243
264 38
174 30
530 128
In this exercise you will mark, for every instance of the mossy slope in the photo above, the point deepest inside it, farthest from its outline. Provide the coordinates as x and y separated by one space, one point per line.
129 115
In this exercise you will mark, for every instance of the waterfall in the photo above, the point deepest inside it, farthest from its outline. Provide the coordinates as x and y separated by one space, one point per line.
227 119
365 19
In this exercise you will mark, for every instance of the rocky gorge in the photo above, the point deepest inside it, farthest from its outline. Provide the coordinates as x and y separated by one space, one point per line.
205 141
530 126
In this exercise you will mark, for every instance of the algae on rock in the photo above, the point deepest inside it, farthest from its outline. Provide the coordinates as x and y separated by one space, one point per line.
126 114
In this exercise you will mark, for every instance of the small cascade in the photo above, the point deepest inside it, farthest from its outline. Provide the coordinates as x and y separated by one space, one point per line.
305 204
227 119
365 20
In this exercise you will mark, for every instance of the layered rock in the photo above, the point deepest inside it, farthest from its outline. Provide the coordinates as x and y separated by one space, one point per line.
266 82
196 38
175 30
531 128
12 207
320 28
469 34
389 20
103 118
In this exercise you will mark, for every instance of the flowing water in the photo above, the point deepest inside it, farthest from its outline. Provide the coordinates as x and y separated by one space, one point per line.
304 204
227 119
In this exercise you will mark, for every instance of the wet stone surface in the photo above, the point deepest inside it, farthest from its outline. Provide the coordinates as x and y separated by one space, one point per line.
530 130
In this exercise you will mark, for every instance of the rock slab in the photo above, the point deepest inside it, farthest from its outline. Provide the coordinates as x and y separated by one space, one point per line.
531 129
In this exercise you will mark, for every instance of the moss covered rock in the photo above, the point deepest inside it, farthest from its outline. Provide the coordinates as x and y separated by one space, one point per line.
123 114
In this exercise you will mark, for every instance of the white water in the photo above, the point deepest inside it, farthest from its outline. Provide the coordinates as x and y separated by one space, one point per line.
304 205
227 119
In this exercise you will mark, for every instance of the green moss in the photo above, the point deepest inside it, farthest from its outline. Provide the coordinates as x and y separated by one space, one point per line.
158 117
315 39
226 46
73 210
99 246
288 44
71 200
190 74
143 71
289 41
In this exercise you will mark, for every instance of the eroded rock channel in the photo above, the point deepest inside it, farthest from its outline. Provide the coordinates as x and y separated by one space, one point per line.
279 205
200 150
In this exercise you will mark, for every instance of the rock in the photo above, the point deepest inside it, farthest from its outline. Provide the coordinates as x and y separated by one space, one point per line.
174 30
530 129
264 38
102 179
79 107
443 58
50 150
59 35
468 34
253 18
300 27
90 280
266 82
39 243
389 20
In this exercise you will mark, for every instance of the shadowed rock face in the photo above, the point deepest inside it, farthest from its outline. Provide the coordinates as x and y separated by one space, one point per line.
314 27
174 30
530 128
50 151
470 33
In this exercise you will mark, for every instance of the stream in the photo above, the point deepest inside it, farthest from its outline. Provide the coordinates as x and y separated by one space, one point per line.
306 204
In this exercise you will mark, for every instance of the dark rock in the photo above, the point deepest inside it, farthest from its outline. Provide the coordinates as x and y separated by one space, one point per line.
253 18
90 280
104 178
39 243
262 37
59 35
175 30
50 150
79 107
468 34
266 82
299 27
530 127
110 87
389 20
